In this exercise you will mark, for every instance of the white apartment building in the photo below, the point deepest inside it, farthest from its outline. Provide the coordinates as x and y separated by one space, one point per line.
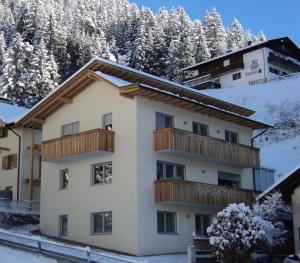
257 63
136 163
20 163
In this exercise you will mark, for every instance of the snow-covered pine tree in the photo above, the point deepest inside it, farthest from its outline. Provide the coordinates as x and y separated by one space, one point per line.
261 37
201 51
2 48
215 33
43 74
235 36
15 76
248 38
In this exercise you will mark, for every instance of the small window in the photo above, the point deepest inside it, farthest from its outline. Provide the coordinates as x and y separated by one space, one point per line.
202 222
166 222
199 128
274 71
231 137
236 76
107 121
229 179
102 173
226 63
3 132
69 129
64 179
102 223
164 121
170 171
63 225
9 162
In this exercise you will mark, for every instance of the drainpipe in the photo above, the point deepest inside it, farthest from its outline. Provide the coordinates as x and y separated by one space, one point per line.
252 143
19 160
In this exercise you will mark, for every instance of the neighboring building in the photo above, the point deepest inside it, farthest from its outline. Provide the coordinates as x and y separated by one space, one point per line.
17 161
136 163
289 186
257 63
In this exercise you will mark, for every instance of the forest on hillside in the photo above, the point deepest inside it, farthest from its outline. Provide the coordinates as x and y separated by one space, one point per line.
42 42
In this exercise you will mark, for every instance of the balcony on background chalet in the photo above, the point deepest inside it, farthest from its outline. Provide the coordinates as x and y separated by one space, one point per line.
203 82
76 145
194 193
190 145
282 62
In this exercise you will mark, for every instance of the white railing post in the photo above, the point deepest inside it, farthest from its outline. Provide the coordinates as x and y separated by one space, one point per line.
88 254
39 247
191 254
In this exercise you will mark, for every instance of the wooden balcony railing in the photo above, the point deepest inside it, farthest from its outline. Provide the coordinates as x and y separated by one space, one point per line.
79 143
187 192
212 149
276 60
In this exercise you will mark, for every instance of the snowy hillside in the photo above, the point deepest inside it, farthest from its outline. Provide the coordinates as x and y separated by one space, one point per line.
276 102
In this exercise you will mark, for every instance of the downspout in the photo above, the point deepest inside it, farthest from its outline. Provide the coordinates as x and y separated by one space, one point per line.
19 161
252 143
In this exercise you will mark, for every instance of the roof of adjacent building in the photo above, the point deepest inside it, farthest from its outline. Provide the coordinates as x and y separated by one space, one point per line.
132 83
10 113
286 184
278 44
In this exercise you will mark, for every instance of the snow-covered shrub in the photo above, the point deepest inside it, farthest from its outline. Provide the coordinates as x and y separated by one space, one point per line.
19 219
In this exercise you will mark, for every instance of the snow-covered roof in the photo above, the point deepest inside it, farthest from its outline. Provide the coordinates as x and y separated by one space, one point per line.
273 186
10 113
114 80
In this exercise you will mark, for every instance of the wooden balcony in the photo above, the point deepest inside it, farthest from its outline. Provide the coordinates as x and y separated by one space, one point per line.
194 193
97 140
285 63
206 148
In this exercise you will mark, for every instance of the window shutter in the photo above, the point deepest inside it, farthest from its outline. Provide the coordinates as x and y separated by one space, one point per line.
15 161
4 163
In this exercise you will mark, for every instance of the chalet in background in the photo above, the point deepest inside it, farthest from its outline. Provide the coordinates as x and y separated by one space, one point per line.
257 63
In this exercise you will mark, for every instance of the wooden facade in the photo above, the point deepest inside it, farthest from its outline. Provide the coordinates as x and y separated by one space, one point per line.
80 143
171 139
187 192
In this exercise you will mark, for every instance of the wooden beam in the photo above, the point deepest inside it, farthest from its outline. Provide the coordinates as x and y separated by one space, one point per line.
38 120
65 100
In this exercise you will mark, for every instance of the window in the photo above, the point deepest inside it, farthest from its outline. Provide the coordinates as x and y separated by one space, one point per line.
9 162
169 171
102 223
226 63
236 76
107 121
229 179
166 222
69 129
264 178
63 225
202 222
274 70
231 137
164 121
199 128
3 132
102 173
64 179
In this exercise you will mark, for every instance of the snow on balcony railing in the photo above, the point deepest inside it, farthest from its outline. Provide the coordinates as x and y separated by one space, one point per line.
19 207
199 80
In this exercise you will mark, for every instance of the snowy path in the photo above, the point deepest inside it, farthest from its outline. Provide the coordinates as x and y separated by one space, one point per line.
54 248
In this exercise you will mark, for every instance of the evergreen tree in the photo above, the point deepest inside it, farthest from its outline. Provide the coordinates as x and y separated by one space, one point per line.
15 78
215 33
248 38
201 51
2 48
235 36
261 37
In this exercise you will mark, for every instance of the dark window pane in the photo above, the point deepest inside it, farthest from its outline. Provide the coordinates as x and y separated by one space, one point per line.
168 121
107 222
108 173
160 222
203 130
195 128
160 120
98 223
206 224
198 225
63 225
98 174
64 179
159 171
180 172
170 223
169 171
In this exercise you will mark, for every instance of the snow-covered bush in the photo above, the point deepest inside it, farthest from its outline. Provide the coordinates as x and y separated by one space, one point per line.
236 232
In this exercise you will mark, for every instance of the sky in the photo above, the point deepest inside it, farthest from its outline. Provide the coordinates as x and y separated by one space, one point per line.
275 17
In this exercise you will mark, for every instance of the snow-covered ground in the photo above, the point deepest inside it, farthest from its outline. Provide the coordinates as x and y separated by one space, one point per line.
12 255
278 103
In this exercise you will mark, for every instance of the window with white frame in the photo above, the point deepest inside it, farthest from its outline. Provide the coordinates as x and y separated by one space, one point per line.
202 222
166 222
166 170
102 173
200 128
101 223
63 225
164 120
107 121
236 76
69 129
264 178
231 137
64 179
